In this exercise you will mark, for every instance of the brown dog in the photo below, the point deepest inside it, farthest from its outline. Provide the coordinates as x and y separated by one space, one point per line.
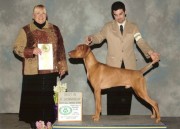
102 76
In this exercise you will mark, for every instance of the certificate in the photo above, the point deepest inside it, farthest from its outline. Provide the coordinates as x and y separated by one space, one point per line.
45 59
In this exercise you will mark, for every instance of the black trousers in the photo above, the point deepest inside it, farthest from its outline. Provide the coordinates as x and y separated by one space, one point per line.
119 100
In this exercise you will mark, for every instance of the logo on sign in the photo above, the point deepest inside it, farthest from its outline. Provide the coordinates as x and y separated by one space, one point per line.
65 110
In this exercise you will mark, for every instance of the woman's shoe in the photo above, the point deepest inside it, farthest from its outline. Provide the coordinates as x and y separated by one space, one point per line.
33 125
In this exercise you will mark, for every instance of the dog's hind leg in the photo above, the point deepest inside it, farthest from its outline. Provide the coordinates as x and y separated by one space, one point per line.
145 89
142 93
155 109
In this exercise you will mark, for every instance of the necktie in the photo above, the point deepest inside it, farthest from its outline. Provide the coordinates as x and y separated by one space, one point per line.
121 29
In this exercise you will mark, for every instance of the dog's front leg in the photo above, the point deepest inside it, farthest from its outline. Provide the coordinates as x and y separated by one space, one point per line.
97 94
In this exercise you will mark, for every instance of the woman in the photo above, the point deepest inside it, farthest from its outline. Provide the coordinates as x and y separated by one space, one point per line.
37 88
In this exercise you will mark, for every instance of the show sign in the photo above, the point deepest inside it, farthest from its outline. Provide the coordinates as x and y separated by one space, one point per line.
69 106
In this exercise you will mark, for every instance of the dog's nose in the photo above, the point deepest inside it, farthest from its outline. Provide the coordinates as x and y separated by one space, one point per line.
70 53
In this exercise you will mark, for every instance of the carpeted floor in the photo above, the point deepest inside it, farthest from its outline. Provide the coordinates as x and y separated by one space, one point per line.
10 121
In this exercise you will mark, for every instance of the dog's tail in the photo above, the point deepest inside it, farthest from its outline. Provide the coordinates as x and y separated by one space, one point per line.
147 67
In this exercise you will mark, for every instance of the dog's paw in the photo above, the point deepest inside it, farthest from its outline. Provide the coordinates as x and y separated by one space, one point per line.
153 116
158 120
95 118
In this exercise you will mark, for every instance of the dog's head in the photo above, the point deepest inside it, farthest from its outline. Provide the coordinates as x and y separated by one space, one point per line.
81 51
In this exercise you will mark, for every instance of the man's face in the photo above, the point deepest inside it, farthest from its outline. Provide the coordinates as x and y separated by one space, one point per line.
119 15
39 15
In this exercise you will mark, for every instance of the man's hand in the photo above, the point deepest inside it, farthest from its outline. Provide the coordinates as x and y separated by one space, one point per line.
154 56
88 40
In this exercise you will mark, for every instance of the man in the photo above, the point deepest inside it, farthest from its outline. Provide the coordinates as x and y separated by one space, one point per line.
121 36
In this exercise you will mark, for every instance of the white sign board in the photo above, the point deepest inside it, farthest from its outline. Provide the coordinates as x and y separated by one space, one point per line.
69 106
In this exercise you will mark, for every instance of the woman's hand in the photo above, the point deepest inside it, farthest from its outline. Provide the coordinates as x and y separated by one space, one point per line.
37 51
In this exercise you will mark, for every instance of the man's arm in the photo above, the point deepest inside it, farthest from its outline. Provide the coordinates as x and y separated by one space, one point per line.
145 48
96 38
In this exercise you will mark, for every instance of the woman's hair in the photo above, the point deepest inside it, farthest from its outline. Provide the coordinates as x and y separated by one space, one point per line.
39 6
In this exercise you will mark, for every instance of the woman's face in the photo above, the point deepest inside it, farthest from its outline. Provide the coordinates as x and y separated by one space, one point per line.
119 15
39 15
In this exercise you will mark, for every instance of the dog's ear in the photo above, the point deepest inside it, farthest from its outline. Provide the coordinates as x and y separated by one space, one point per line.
83 47
87 49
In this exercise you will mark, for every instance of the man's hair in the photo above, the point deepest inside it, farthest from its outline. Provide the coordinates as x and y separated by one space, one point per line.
117 5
